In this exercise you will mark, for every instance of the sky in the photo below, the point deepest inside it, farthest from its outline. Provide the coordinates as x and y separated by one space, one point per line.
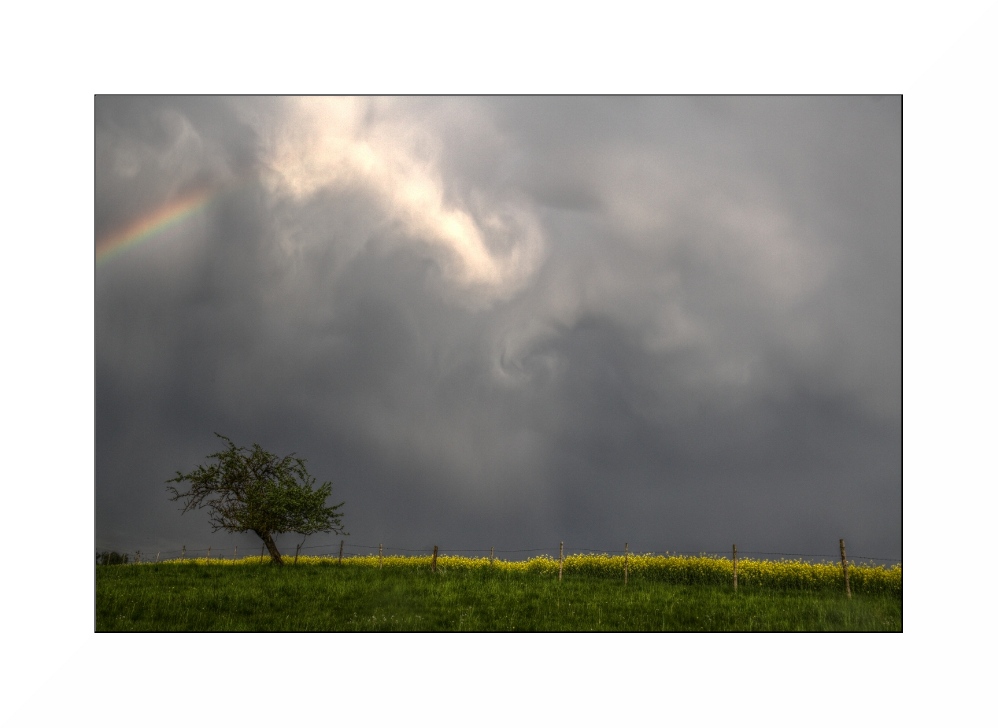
497 321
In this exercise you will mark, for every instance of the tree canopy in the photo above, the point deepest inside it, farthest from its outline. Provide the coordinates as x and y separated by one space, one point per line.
253 490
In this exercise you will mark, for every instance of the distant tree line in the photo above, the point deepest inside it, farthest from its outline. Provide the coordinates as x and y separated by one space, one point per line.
111 558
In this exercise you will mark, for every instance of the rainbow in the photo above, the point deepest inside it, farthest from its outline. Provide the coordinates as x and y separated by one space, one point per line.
153 223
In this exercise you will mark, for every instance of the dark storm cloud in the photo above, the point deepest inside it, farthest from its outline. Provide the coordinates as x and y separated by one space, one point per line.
669 321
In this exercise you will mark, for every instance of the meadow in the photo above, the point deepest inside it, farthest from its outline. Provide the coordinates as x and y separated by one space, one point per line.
399 593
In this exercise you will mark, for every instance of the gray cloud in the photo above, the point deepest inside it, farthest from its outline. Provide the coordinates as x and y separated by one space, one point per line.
510 321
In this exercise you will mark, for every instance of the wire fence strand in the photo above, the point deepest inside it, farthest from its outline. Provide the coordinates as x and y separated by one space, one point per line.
233 553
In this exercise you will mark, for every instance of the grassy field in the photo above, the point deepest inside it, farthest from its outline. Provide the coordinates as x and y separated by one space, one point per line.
473 595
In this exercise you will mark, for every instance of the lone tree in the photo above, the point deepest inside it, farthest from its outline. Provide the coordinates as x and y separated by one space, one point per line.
254 490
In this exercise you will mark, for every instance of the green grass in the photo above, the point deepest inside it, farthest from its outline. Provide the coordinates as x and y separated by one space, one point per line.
198 597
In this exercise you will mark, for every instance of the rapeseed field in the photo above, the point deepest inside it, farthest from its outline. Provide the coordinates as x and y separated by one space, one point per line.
668 569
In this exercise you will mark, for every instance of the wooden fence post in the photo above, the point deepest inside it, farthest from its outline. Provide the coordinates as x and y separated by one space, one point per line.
734 563
235 550
209 553
341 552
379 554
625 563
492 554
845 567
138 557
433 565
183 552
157 557
561 558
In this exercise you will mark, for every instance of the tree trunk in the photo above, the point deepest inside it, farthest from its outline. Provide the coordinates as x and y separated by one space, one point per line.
271 547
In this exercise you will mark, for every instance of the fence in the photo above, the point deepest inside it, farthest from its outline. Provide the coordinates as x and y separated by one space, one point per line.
338 552
332 550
